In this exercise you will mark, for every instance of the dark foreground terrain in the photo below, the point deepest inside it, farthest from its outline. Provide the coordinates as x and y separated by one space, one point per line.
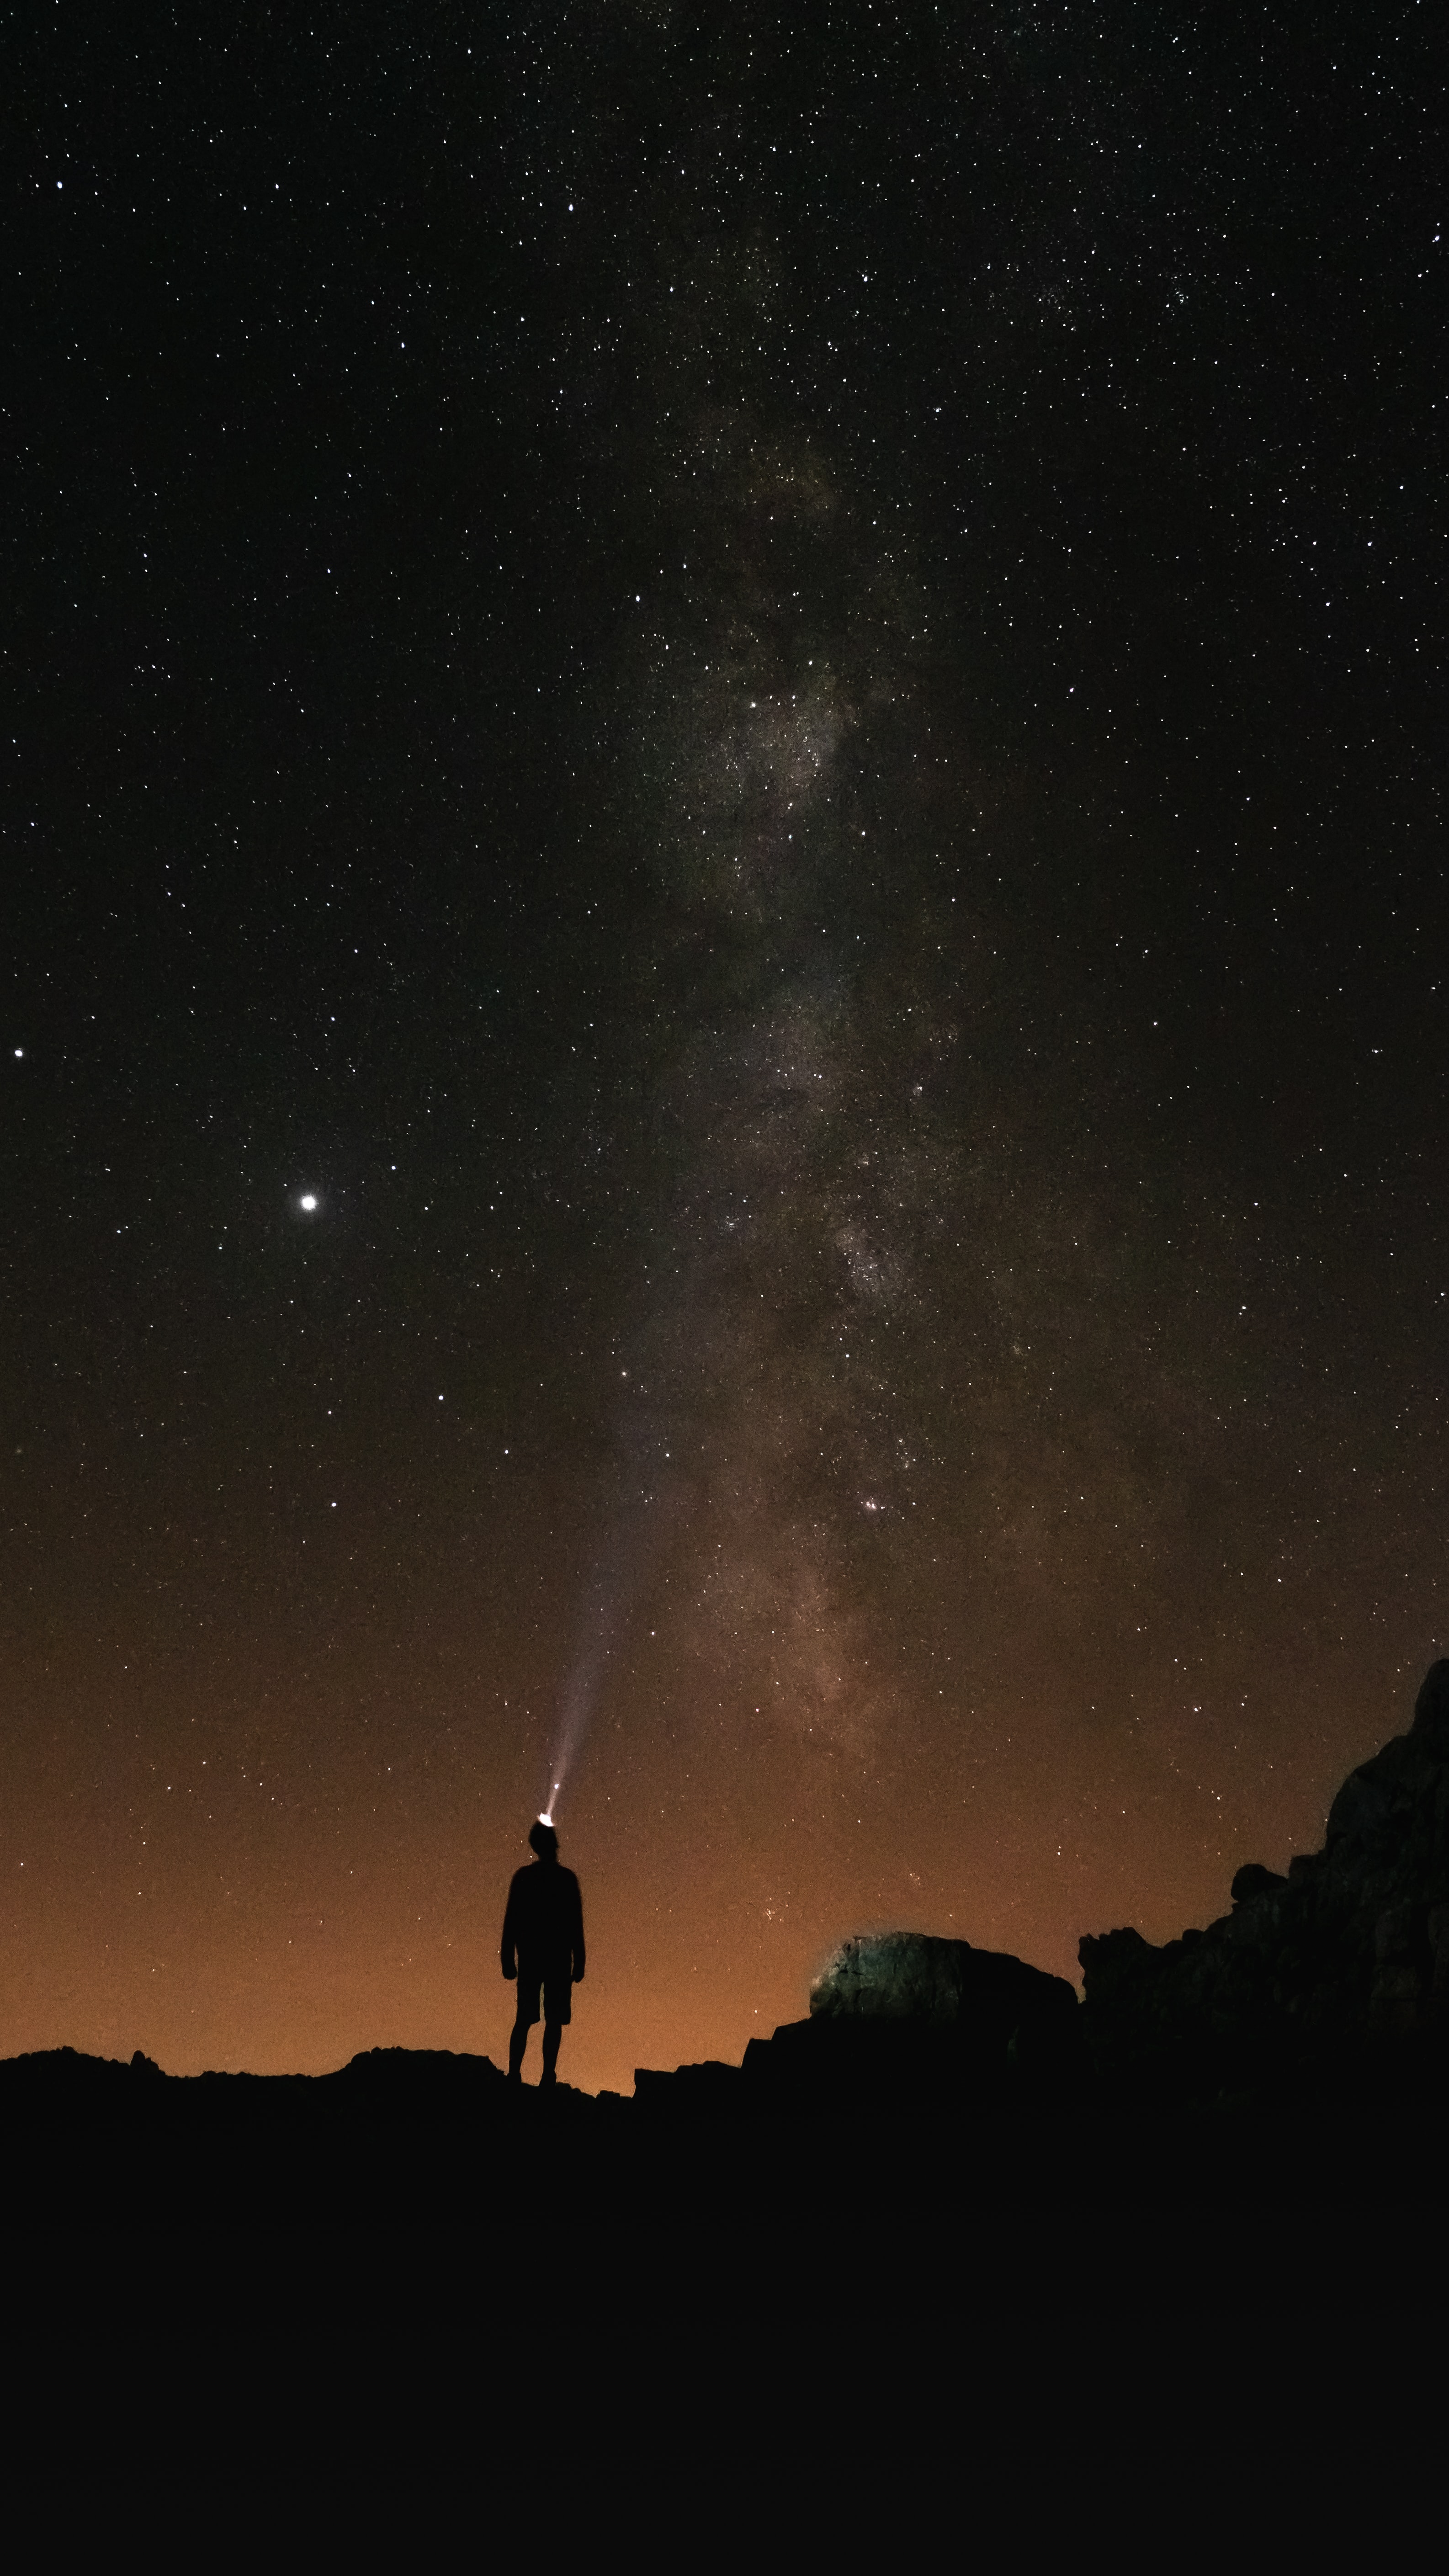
1066 2279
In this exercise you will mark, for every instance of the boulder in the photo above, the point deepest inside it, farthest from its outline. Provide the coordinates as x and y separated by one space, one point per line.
710 2088
1254 1880
913 1977
898 2020
901 2017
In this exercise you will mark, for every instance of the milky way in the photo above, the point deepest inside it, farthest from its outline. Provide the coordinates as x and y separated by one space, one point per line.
759 1420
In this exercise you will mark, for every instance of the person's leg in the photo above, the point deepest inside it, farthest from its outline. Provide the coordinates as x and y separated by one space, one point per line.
529 1986
552 2034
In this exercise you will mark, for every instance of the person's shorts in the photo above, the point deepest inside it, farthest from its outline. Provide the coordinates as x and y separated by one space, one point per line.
548 1977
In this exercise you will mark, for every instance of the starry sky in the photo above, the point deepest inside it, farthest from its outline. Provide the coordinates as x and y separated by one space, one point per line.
723 1041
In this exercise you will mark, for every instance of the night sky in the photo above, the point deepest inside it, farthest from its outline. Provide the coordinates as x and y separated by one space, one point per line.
724 993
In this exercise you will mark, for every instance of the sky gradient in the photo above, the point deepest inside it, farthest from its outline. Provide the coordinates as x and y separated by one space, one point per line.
764 696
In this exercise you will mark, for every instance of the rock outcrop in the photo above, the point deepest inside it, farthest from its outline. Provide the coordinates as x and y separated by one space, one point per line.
911 1976
897 2020
1333 1980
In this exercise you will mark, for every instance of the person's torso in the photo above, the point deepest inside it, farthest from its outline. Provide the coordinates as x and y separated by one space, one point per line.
545 1906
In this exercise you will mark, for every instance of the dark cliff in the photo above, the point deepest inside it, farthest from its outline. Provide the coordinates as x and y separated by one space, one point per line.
1331 1980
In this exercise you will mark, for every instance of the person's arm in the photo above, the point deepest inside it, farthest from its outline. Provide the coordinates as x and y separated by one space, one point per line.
508 1953
578 1936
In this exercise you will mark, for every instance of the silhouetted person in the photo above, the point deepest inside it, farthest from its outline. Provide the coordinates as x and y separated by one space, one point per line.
543 1946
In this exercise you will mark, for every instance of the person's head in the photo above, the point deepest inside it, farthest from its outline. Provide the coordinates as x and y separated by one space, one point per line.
543 1840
